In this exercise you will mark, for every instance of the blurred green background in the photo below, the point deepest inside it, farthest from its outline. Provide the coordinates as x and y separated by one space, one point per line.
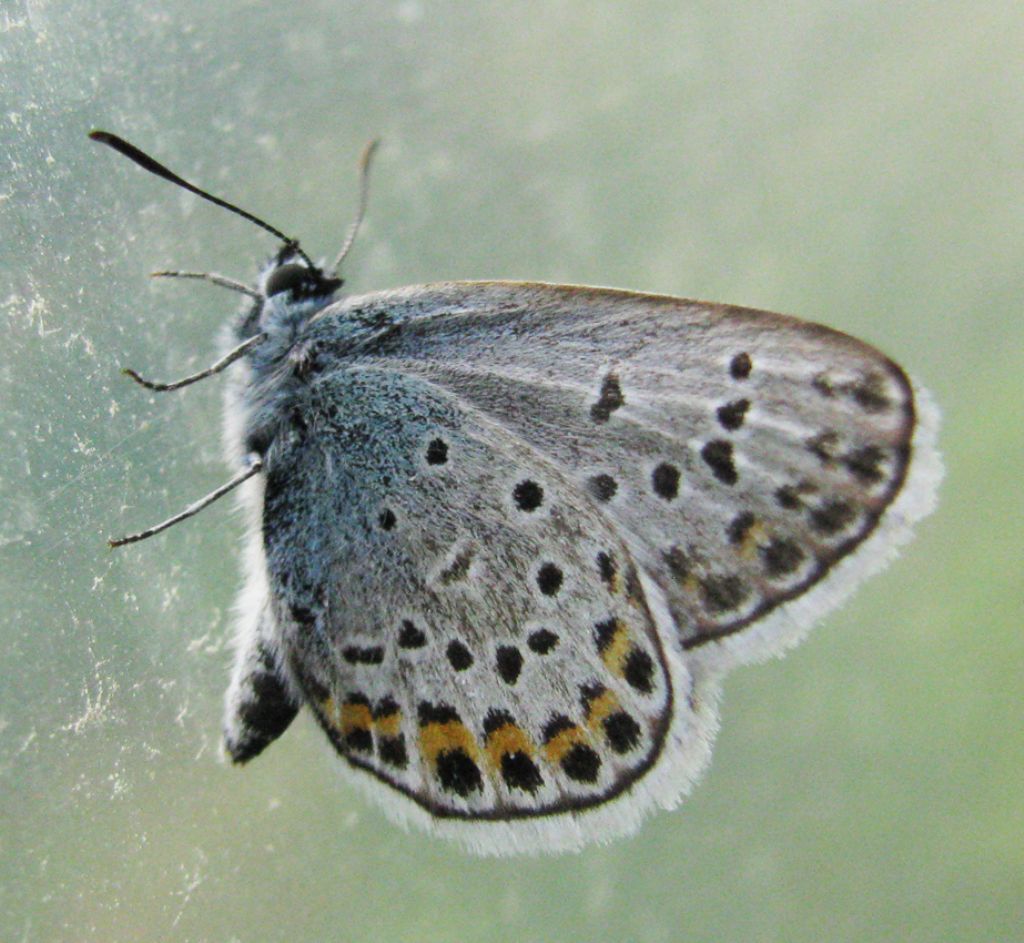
859 163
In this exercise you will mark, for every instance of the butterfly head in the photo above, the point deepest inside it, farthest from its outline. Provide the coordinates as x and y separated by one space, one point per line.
291 289
291 274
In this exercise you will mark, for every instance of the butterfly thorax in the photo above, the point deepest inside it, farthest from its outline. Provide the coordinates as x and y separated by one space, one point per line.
291 294
308 331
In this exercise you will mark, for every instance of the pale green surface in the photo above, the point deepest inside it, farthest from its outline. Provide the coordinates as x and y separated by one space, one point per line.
858 163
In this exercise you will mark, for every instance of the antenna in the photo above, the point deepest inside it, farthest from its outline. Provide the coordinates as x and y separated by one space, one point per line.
364 194
147 163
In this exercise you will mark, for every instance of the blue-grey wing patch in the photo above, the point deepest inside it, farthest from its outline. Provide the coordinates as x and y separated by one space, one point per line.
464 622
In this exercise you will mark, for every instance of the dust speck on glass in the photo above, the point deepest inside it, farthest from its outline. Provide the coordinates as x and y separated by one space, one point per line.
508 538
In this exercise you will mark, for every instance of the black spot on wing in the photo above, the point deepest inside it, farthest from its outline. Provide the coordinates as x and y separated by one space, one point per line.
549 579
678 562
781 557
731 415
832 516
719 458
665 481
459 657
409 636
863 464
609 400
437 452
581 763
788 498
607 568
363 655
528 495
638 670
602 487
740 526
458 773
520 772
393 752
622 731
509 662
723 593
823 446
428 713
542 641
740 366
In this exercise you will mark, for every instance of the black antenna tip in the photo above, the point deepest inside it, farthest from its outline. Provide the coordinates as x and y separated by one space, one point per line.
155 167
130 151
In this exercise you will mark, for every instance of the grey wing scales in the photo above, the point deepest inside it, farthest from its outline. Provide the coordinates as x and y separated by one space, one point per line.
740 454
462 624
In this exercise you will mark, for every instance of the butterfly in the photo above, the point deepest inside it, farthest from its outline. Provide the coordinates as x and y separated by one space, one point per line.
507 538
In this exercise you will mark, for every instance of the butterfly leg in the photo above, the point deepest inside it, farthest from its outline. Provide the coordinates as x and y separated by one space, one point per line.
259 704
229 358
213 278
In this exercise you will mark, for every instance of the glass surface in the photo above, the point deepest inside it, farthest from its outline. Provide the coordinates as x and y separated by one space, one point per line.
854 163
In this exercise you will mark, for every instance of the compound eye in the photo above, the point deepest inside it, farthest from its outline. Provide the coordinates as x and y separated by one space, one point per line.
290 277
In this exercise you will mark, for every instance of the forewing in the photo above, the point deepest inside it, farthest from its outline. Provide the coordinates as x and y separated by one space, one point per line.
465 623
739 454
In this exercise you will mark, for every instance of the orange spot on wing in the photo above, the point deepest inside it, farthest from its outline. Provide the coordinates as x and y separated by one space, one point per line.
355 717
600 708
389 725
562 742
614 654
754 536
440 738
329 709
508 738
